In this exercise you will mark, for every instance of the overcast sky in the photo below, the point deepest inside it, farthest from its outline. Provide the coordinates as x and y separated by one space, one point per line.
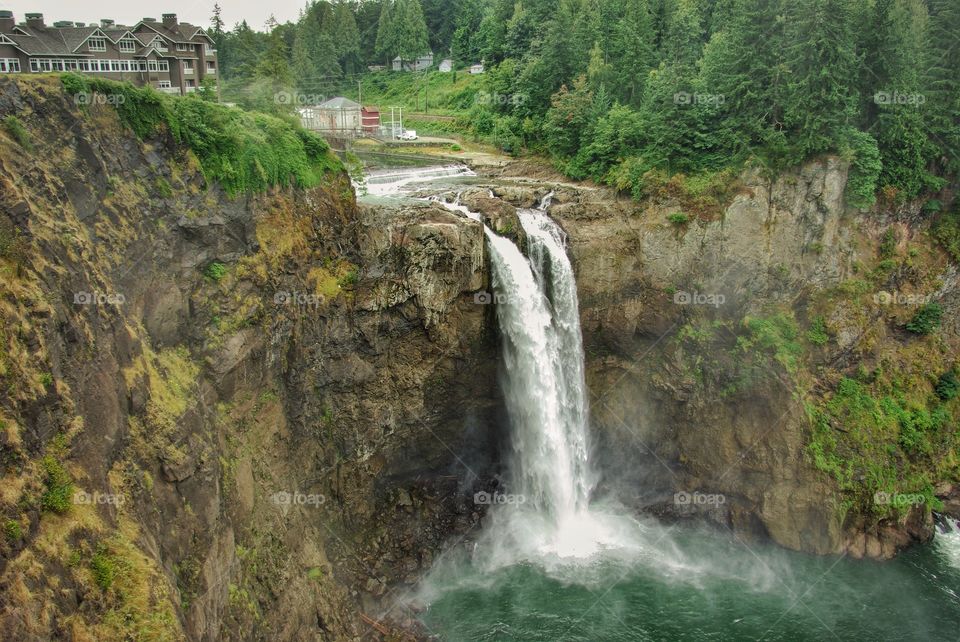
197 12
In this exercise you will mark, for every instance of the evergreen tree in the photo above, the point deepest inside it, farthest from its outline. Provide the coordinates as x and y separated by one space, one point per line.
346 37
411 36
632 54
822 96
387 44
943 82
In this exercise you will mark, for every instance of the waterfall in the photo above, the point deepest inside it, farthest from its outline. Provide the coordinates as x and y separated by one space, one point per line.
543 383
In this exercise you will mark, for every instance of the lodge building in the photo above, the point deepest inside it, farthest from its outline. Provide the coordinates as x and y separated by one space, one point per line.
172 56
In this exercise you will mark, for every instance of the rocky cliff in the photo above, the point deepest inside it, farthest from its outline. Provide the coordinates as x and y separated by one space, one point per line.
750 359
224 418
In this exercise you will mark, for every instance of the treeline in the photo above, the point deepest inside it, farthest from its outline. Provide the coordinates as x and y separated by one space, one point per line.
614 89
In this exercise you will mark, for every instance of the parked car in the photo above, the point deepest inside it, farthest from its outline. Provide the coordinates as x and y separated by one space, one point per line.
407 134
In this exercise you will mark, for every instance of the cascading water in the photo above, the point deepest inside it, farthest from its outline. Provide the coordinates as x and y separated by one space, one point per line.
543 383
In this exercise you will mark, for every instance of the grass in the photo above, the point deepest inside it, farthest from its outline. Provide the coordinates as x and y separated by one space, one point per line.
245 152
58 486
14 127
445 93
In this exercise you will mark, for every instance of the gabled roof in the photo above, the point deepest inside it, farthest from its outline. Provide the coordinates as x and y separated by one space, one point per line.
117 34
339 103
182 32
74 37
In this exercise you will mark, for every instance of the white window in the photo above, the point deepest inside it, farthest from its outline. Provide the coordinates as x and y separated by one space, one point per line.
114 65
164 65
211 68
188 66
84 65
184 46
45 65
104 65
9 65
159 45
128 45
208 49
97 44
34 65
164 84
142 65
124 65
190 83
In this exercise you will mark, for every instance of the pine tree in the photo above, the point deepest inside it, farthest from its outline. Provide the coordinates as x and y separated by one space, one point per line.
943 82
822 97
346 37
387 44
632 54
412 39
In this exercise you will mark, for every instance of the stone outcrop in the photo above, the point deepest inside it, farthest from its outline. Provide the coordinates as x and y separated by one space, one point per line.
286 399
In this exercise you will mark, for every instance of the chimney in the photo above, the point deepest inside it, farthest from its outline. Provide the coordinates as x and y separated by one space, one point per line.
60 24
106 23
170 20
7 23
34 19
148 19
79 24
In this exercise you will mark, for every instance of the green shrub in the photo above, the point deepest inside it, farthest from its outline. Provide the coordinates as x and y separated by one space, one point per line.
926 320
817 334
13 530
245 152
215 271
18 132
104 568
948 386
947 231
860 149
58 486
888 244
678 218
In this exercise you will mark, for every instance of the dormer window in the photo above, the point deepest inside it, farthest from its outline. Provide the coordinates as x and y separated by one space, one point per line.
97 44
128 45
159 45
182 46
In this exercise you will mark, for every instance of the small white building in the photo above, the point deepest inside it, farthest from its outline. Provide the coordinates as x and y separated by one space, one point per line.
420 64
336 116
477 68
446 65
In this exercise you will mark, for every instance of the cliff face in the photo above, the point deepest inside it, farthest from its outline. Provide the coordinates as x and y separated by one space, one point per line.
223 418
751 366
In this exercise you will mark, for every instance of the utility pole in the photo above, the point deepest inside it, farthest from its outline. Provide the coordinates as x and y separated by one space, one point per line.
360 93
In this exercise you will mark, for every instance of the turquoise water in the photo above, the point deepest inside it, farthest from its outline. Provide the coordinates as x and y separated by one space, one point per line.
705 586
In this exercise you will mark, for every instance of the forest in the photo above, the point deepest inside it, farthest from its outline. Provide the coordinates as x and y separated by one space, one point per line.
622 90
